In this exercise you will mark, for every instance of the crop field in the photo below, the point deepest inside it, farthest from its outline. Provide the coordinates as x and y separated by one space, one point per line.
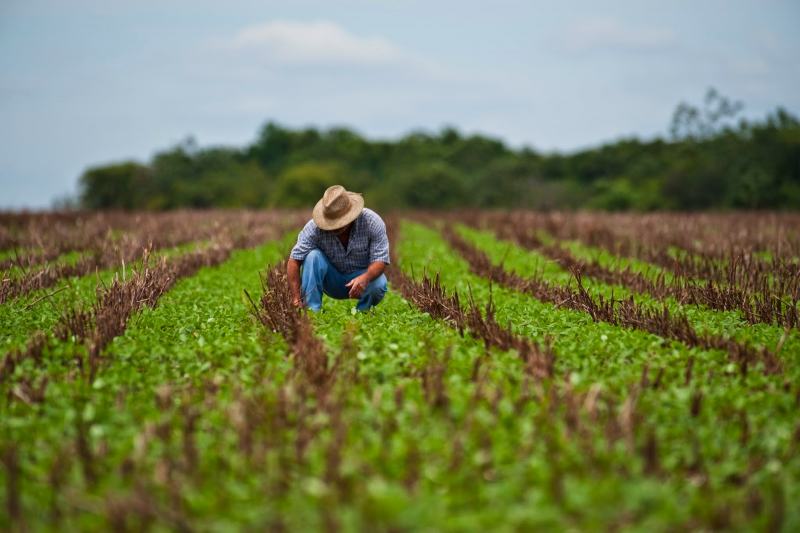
525 371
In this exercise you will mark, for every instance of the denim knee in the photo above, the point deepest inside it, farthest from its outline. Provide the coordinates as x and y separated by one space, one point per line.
315 256
378 287
316 262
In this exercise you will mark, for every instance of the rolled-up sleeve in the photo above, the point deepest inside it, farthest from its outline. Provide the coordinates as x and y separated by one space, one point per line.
306 241
379 241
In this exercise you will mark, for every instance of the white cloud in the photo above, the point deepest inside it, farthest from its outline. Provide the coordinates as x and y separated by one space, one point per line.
316 42
608 33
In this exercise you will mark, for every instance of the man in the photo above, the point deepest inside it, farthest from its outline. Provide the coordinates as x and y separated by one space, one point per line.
343 250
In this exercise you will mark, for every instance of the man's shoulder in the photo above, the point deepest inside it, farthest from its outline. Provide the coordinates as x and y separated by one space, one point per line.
372 217
310 228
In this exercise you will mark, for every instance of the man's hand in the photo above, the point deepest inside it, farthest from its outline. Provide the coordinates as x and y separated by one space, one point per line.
293 275
357 285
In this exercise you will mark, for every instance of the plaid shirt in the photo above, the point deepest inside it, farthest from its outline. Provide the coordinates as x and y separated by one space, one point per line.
368 243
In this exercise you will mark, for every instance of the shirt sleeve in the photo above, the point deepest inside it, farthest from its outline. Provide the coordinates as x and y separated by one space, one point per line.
306 241
379 241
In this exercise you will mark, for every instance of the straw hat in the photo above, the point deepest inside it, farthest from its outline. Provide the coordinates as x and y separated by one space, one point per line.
337 208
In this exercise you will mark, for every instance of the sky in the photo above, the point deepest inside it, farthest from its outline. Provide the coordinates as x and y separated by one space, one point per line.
84 83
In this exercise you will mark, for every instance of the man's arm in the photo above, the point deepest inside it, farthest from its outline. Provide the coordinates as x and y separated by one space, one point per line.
359 283
306 241
293 275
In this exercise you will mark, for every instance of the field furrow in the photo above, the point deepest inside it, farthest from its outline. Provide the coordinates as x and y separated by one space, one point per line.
434 370
200 343
694 325
755 268
423 250
768 298
490 389
764 291
664 237
151 234
84 332
42 309
613 355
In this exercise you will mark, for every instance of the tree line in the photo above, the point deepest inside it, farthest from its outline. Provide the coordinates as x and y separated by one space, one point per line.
709 160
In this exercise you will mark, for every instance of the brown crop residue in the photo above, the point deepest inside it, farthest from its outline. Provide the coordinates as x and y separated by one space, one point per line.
278 314
429 295
656 319
116 239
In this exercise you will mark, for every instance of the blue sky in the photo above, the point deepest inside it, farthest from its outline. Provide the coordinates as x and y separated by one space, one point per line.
89 82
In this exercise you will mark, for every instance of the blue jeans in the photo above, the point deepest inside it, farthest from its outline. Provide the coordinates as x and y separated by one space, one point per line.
320 276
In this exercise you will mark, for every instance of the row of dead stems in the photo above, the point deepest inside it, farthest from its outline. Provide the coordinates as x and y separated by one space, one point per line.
625 312
762 291
275 428
430 296
115 303
102 247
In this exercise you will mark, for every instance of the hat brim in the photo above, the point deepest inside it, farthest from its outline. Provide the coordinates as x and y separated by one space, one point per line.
325 223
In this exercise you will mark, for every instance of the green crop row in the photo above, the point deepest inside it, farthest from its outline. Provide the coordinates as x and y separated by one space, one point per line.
613 358
723 323
41 309
199 419
199 336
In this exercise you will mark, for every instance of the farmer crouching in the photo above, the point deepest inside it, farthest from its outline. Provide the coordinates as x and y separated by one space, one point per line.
343 250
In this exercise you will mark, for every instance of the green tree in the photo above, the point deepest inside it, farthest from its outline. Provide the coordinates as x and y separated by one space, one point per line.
302 185
430 186
708 162
694 123
121 185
